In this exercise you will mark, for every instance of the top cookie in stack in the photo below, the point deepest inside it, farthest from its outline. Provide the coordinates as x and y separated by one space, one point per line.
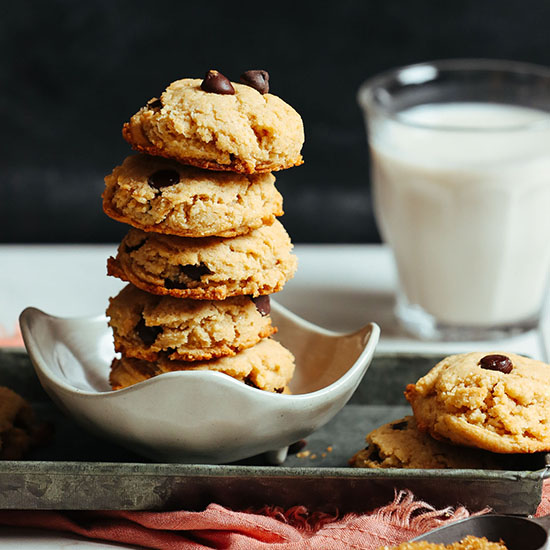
203 205
219 125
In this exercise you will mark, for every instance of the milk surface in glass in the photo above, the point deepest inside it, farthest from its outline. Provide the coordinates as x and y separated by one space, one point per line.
462 195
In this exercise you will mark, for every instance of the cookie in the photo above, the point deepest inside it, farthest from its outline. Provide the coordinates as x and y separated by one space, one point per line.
467 543
243 132
400 444
162 195
494 401
148 326
19 429
209 268
267 366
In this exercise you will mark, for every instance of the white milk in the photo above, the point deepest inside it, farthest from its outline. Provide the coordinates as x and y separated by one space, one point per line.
467 212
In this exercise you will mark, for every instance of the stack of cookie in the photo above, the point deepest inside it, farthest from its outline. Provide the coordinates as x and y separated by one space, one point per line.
469 411
205 249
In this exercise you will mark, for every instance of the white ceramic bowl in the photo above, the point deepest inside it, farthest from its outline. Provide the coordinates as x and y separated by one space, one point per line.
198 416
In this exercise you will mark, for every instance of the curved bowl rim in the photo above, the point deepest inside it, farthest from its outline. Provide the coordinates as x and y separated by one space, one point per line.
348 377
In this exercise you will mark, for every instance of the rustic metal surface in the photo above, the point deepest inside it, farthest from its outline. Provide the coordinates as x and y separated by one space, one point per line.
80 471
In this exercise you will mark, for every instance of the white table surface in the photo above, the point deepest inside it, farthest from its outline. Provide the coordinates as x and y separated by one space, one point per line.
340 287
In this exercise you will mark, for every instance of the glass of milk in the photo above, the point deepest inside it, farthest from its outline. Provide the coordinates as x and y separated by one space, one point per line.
460 165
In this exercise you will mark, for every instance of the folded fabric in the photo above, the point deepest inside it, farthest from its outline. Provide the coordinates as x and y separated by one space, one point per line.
544 506
271 528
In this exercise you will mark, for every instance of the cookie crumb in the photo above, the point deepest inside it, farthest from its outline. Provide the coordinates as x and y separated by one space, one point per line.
303 454
296 447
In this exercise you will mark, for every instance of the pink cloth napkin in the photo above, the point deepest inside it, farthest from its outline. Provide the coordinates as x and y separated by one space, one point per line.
271 528
12 339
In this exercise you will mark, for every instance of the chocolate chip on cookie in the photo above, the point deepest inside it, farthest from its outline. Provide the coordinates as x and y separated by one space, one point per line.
154 104
400 425
148 335
163 178
195 272
374 452
191 272
171 284
128 249
216 83
249 382
496 362
259 80
263 304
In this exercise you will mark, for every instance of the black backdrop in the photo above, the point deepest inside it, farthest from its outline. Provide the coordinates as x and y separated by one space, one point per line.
72 72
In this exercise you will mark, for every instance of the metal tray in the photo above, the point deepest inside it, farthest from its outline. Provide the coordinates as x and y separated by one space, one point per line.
81 471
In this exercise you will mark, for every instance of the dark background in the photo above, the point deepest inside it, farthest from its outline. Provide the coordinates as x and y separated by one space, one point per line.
72 72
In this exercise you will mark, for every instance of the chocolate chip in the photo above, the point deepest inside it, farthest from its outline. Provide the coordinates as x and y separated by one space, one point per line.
259 80
171 284
248 381
279 390
215 83
399 426
497 362
190 272
155 104
374 452
128 248
263 304
163 178
296 447
195 272
147 335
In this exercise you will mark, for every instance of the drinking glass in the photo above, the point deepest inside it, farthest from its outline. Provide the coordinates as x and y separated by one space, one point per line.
460 169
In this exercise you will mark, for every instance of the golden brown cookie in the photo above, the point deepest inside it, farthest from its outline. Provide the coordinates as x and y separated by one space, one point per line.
148 326
242 132
400 444
210 268
162 195
467 543
497 401
19 428
267 366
